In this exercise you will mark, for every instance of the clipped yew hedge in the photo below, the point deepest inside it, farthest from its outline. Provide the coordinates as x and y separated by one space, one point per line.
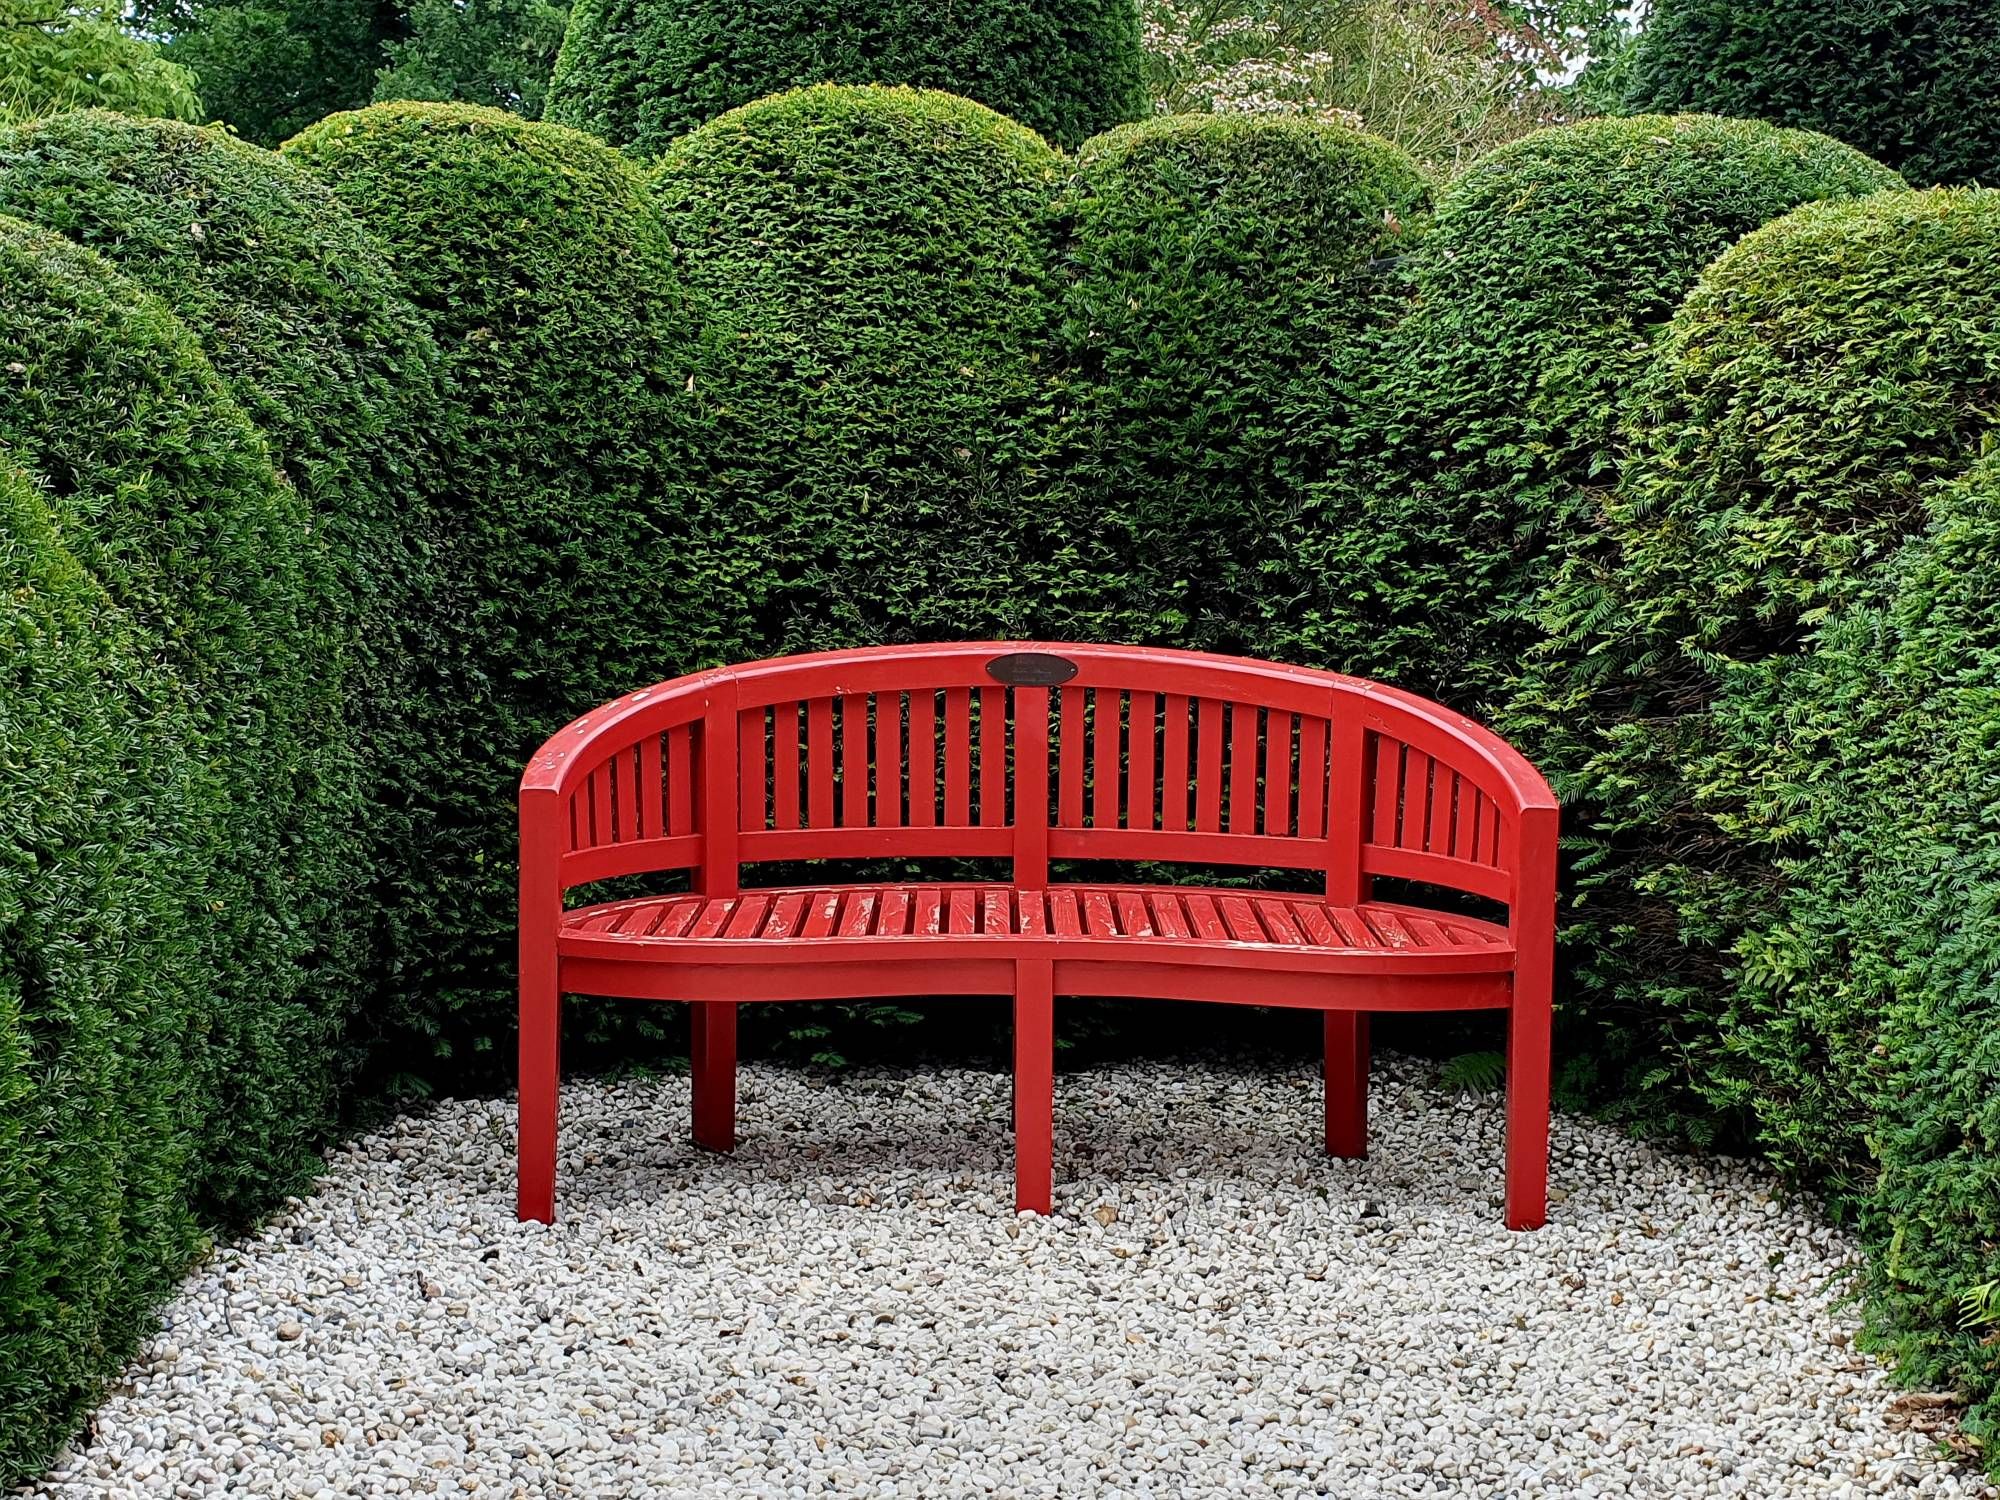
1219 282
163 490
1477 454
177 836
102 988
874 271
570 554
642 72
300 314
1823 379
1909 83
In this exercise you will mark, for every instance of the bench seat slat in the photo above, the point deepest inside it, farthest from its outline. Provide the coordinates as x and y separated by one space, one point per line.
990 912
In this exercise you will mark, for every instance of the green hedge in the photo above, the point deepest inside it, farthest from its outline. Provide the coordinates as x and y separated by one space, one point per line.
164 491
175 830
642 72
571 550
301 316
1481 442
101 861
1824 376
1219 283
1909 81
1865 1032
875 271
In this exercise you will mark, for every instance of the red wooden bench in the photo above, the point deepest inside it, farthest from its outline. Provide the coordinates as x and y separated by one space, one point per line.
1034 753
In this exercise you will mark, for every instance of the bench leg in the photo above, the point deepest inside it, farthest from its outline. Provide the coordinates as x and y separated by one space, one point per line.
1346 1083
1528 1026
712 1052
540 1090
1034 1085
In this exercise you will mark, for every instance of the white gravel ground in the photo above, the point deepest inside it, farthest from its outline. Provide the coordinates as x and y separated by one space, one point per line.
847 1307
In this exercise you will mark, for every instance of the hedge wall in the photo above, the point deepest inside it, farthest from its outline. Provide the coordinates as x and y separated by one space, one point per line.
873 265
571 549
301 316
642 72
1866 1027
1220 279
163 490
179 854
1824 376
1909 81
1479 446
101 855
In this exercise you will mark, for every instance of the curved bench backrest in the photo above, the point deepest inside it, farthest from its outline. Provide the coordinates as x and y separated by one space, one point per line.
1032 752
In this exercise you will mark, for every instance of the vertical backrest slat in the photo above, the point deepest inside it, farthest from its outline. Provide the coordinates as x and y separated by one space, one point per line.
680 780
1106 756
652 789
751 764
1243 727
1175 728
1437 821
602 827
819 763
923 759
1386 790
1031 787
1208 766
1279 729
1312 777
1416 799
854 760
1069 754
1141 784
957 757
992 756
889 760
1465 827
785 765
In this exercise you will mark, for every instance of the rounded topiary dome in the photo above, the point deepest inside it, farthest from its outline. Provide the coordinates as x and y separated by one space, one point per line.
573 553
641 72
1910 83
874 263
1535 296
162 489
1216 278
300 314
1808 404
104 1012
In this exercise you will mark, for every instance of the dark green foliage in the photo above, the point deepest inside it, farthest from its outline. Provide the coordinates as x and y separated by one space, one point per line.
300 315
1474 461
102 994
268 68
163 490
641 72
493 52
573 563
1825 375
178 843
876 277
1864 1026
1908 81
1219 282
